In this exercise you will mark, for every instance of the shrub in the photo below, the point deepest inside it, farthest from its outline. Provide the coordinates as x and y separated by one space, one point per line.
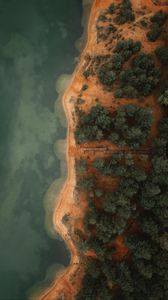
143 23
86 73
84 87
103 32
65 219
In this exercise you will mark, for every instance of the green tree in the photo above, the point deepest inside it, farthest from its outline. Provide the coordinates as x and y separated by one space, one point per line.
126 48
86 183
106 75
143 76
92 125
160 18
163 98
144 268
162 54
81 166
154 33
125 14
132 124
141 248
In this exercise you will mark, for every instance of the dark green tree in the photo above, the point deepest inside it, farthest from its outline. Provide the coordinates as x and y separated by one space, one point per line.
132 125
106 75
125 13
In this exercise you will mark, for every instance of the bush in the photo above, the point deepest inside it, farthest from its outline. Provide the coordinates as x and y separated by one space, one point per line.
103 32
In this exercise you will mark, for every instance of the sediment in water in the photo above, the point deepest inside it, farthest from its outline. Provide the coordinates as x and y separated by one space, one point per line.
50 199
51 196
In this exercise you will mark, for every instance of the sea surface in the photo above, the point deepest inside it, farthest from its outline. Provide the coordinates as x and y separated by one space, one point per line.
37 45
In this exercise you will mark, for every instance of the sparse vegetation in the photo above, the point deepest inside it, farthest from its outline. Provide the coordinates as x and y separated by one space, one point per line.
103 32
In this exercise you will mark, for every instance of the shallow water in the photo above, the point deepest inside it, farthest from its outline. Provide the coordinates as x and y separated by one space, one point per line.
37 40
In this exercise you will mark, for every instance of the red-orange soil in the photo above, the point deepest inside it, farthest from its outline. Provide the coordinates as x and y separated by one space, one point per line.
68 282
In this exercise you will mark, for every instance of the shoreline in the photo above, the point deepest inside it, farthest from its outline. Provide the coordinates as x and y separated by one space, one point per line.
66 202
62 84
57 224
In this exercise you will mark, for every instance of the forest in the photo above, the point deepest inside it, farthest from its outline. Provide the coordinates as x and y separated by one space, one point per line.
135 212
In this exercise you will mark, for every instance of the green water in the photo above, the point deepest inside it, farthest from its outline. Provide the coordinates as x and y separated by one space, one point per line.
36 45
